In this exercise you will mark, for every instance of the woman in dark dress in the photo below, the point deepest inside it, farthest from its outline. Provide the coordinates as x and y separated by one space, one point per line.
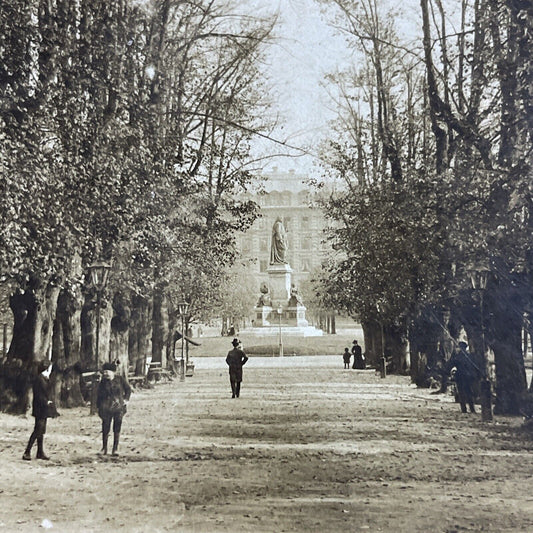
358 357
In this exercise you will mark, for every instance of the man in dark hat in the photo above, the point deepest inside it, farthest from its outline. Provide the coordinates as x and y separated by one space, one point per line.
236 359
112 396
466 372
41 410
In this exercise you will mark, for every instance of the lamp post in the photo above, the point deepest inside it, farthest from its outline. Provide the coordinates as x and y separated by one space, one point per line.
4 344
382 360
183 307
478 278
99 272
280 312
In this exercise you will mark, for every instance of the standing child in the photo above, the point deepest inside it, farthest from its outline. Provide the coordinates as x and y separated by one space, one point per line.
346 357
42 409
113 395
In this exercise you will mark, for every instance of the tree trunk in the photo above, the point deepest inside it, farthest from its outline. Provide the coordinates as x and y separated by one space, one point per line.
372 338
66 350
424 352
119 339
160 329
140 334
396 347
505 340
33 311
333 324
170 343
224 330
89 315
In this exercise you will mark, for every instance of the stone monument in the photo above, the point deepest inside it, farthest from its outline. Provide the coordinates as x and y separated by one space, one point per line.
280 304
279 270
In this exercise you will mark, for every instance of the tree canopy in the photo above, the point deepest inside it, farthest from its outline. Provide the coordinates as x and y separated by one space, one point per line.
433 144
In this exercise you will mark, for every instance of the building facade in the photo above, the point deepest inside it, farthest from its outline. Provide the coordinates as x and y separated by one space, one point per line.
289 197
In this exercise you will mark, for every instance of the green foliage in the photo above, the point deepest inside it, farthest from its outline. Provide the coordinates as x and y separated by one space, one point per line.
387 251
124 133
422 205
239 292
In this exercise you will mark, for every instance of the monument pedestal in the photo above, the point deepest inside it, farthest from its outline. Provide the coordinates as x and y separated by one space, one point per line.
262 313
279 277
296 316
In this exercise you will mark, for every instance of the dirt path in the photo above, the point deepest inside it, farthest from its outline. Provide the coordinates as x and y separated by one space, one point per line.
308 447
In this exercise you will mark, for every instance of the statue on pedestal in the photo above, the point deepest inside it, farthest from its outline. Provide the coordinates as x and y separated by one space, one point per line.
278 250
265 298
295 299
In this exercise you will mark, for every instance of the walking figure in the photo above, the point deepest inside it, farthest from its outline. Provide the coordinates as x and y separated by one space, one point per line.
42 409
112 397
236 359
358 358
346 357
466 372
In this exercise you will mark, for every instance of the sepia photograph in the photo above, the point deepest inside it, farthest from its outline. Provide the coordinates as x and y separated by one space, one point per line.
266 266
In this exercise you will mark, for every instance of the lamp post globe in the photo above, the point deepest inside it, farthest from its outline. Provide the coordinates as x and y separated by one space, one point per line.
478 277
382 359
183 308
99 272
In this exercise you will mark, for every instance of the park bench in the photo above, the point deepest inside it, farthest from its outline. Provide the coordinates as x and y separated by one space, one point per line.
136 381
86 384
157 373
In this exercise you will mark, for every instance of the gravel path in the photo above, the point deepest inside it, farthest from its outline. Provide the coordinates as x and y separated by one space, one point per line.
309 447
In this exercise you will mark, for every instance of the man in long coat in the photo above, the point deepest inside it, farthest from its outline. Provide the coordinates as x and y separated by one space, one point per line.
466 373
236 359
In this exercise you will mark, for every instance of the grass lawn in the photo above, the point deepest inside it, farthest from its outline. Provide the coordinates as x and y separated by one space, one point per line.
269 346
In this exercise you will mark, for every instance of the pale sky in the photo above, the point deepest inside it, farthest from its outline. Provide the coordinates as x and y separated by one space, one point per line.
306 50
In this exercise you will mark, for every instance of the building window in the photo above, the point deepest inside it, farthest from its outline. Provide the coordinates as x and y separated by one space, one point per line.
263 245
287 223
305 265
306 243
263 265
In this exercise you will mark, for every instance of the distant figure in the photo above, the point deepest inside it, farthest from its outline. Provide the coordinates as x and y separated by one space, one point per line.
358 358
346 357
236 359
278 250
42 409
466 372
112 397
